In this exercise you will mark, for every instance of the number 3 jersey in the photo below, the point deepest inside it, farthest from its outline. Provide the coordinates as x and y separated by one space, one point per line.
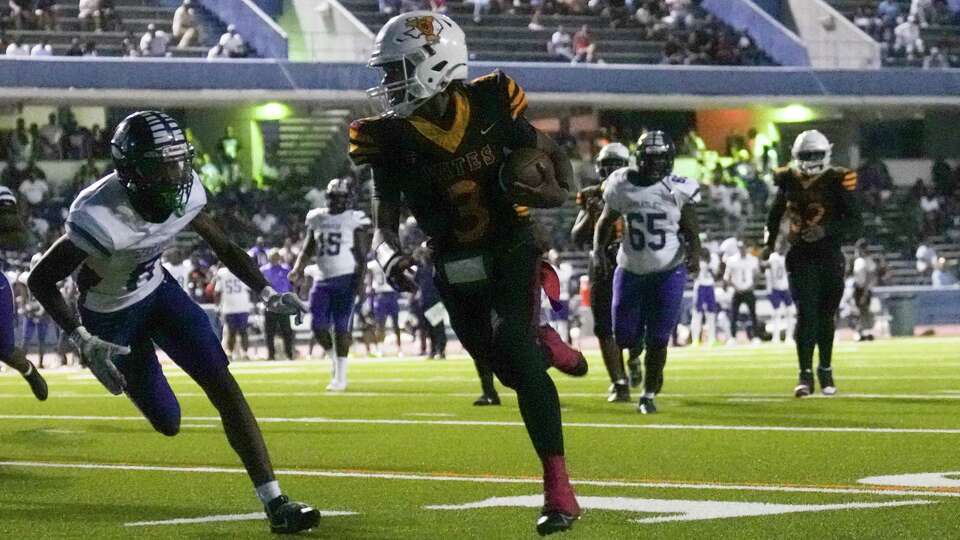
334 235
651 240
123 266
447 173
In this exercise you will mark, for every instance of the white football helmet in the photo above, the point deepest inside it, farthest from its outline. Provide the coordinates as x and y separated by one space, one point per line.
612 156
419 52
812 152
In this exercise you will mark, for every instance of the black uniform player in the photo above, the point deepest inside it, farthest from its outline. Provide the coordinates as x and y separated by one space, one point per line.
821 207
437 150
611 157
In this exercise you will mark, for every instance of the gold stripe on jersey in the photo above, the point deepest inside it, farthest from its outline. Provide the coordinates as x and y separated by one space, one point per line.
518 100
448 139
362 147
850 181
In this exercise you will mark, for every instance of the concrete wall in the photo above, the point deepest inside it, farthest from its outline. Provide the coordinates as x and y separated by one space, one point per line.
330 33
832 40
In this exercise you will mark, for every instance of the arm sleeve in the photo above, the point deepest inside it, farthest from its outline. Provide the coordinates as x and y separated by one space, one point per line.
849 222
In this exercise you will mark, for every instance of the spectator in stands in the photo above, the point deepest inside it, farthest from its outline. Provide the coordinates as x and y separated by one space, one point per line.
19 145
874 182
867 22
185 28
480 8
217 51
942 176
907 39
34 188
233 43
930 212
42 49
936 59
228 149
276 273
264 220
926 256
154 42
561 45
90 48
941 275
129 49
45 12
584 49
259 252
75 48
90 11
50 136
389 7
887 12
17 48
438 6
537 7
87 174
19 13
923 11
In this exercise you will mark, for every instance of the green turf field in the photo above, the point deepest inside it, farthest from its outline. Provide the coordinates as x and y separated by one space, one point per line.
403 454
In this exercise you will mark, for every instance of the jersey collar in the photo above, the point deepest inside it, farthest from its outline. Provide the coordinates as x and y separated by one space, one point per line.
448 139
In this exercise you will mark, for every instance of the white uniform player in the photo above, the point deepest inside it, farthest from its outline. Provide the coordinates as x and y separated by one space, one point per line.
179 269
704 303
235 307
334 234
124 263
778 291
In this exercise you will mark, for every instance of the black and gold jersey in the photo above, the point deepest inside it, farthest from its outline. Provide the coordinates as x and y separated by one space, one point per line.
447 173
827 200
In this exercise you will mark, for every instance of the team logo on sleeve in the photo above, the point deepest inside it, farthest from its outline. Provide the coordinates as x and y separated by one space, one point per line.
426 27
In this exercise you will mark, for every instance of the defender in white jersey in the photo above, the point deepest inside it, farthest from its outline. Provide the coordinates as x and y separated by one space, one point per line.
778 292
338 236
233 298
704 301
116 230
13 235
660 243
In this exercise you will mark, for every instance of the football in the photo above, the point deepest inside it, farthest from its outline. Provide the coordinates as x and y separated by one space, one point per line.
527 174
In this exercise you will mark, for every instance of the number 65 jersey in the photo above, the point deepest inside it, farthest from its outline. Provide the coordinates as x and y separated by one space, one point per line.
651 239
124 249
334 234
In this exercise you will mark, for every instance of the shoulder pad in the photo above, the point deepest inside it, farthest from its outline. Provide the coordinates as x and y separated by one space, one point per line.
361 218
510 93
366 137
689 188
316 213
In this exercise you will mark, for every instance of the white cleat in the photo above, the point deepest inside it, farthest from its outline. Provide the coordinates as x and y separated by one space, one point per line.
335 386
829 391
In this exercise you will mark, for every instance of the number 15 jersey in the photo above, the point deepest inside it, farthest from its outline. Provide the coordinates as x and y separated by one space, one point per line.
334 235
123 266
651 240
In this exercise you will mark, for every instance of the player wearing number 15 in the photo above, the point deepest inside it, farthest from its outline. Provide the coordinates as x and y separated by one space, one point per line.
116 231
660 245
437 149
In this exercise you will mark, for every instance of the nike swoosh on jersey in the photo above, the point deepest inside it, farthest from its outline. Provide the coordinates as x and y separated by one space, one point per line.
485 131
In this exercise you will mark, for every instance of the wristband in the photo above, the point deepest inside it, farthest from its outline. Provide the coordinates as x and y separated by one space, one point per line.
267 292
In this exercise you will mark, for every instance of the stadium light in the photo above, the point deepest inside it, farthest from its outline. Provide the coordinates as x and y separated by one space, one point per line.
793 114
271 111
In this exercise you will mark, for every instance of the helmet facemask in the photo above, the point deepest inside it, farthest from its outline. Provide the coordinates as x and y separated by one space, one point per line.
160 182
812 162
654 165
400 91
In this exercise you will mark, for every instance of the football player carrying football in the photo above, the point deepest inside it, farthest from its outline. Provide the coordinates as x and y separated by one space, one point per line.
661 243
338 237
612 157
13 235
437 148
116 231
821 206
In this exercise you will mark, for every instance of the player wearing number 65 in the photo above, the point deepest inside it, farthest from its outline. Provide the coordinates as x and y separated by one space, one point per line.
661 243
116 231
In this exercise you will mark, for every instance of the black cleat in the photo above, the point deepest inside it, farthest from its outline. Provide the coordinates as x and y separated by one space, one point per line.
646 406
36 382
804 387
619 392
288 517
554 521
486 400
827 387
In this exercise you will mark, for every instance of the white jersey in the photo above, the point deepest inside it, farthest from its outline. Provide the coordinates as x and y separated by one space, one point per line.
313 272
378 280
742 271
651 238
728 248
705 276
234 294
777 273
180 272
334 235
123 266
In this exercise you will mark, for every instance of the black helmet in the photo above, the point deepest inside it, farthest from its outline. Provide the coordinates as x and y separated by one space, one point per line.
655 153
153 161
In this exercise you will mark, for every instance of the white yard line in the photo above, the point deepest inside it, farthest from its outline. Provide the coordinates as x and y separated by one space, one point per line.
492 423
253 516
427 477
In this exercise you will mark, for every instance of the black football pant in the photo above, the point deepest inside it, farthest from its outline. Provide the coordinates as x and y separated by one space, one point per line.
750 299
275 323
816 283
496 321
